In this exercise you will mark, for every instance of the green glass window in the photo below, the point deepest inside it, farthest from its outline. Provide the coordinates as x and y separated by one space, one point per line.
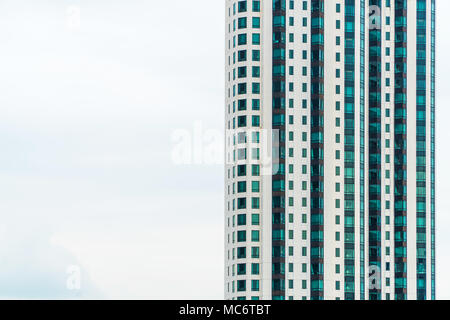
256 22
242 186
242 72
256 72
255 268
242 88
242 203
255 170
256 5
256 88
242 219
255 104
241 285
242 236
241 252
279 21
256 55
255 203
242 6
255 285
255 252
242 39
242 121
256 38
242 23
242 55
242 170
255 219
256 123
241 269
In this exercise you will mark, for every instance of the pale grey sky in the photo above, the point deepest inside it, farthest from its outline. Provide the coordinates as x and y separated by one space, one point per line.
86 177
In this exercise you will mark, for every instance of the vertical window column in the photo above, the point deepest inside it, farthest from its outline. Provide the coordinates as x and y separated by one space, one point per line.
421 151
279 178
400 167
362 107
349 152
375 150
317 149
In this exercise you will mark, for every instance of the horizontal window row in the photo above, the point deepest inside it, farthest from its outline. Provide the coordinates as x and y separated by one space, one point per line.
242 88
241 203
255 170
241 269
241 253
242 121
242 187
242 236
241 39
242 220
242 6
242 23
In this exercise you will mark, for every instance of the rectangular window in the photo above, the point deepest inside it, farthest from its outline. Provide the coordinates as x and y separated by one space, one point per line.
241 269
256 22
256 6
242 236
291 37
256 38
304 235
255 268
242 55
242 219
242 39
255 104
242 6
255 285
242 203
256 123
242 88
256 55
291 218
255 203
256 72
242 23
256 88
255 186
241 285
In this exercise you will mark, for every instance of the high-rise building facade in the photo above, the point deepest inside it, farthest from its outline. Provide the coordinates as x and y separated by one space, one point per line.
340 96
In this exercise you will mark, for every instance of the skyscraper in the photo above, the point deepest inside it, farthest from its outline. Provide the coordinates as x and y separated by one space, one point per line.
340 96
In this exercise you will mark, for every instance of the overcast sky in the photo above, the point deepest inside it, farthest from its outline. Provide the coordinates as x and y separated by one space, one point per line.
88 112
